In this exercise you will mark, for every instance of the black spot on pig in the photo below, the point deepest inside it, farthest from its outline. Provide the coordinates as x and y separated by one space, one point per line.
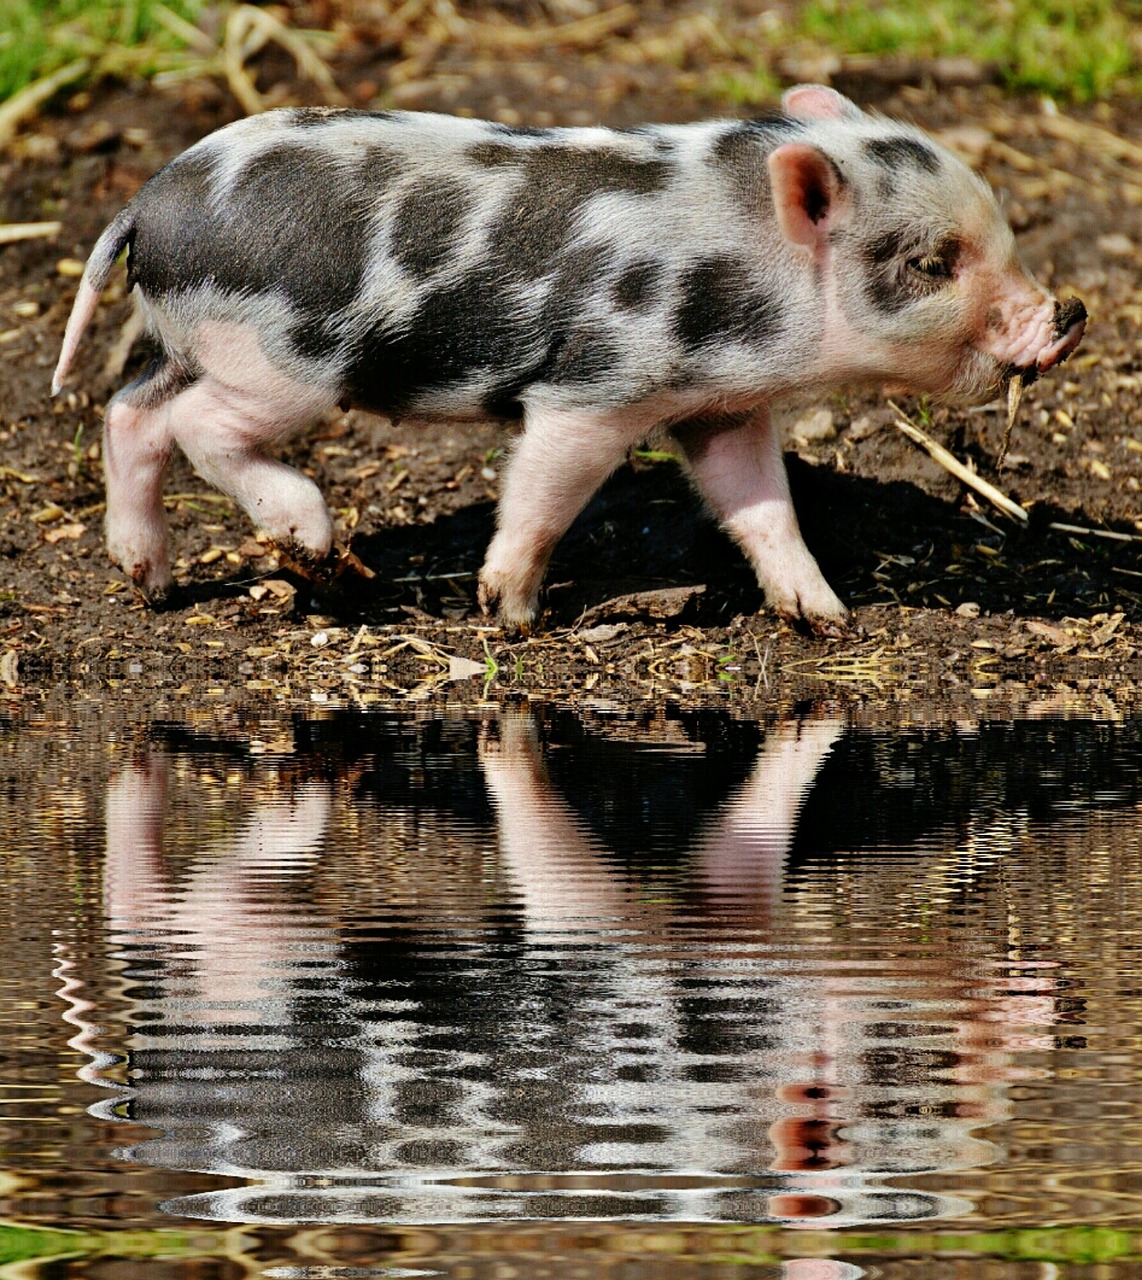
472 326
585 355
886 278
886 292
171 212
637 286
748 141
581 355
720 302
902 153
518 130
492 155
271 233
887 247
555 181
741 153
571 347
581 273
314 117
380 167
427 224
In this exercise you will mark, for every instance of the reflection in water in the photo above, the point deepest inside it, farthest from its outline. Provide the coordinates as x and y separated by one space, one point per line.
498 1013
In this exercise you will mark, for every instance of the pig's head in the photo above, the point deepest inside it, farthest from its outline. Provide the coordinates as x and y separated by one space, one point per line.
922 283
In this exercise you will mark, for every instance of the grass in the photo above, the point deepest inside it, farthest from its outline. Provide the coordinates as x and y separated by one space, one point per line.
38 37
1076 49
733 1246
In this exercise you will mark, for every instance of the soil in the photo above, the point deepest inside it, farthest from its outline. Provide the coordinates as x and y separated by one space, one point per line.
645 595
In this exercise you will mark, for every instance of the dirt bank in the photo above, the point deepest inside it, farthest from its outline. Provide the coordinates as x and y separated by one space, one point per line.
945 589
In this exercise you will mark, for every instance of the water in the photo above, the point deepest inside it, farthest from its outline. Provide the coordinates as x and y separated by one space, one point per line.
522 993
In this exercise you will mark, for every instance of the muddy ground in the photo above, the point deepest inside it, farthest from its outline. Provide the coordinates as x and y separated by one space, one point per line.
645 595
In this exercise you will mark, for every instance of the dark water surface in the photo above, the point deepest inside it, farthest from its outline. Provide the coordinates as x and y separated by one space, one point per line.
523 994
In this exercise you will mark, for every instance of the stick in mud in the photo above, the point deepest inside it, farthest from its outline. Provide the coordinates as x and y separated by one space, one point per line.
1014 396
953 465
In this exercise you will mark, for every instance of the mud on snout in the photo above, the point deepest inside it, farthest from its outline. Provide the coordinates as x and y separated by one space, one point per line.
985 374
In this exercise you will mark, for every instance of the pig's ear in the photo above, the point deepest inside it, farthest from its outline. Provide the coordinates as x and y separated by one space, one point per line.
818 102
809 194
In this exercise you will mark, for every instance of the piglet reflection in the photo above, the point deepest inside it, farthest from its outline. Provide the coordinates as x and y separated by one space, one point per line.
522 1026
228 924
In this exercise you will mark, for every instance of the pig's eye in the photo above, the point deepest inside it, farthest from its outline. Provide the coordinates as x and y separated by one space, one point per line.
936 266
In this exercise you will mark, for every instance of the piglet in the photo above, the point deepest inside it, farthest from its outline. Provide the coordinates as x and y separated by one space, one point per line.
604 285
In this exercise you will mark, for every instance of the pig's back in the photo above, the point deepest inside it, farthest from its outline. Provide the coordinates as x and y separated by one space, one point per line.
441 265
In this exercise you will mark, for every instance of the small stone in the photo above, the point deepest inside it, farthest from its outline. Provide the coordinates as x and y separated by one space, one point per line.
969 609
1116 245
818 424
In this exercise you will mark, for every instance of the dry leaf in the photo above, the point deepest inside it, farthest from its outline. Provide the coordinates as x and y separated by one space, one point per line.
64 532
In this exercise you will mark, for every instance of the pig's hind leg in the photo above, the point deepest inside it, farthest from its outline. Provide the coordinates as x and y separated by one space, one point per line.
137 444
738 467
556 466
223 433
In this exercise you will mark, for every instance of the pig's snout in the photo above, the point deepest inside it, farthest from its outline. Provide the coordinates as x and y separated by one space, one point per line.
1047 341
1069 327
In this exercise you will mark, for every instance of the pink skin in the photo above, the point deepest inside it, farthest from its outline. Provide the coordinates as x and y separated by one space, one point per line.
739 468
557 464
136 450
223 427
562 458
1026 335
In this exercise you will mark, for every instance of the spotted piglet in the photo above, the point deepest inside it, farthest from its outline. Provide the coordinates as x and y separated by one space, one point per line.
602 284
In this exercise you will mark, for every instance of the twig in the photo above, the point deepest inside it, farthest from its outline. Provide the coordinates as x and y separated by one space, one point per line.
28 101
248 31
1091 136
10 232
120 353
583 31
1094 533
952 464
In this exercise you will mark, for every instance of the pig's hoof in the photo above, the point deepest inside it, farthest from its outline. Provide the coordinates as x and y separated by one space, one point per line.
157 599
826 626
833 628
155 591
320 569
494 602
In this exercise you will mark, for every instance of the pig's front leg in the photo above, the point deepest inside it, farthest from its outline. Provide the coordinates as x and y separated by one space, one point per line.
737 464
558 463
